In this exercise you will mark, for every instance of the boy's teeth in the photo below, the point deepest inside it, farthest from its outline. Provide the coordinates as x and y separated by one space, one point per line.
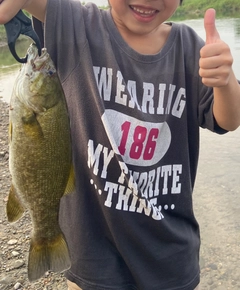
143 11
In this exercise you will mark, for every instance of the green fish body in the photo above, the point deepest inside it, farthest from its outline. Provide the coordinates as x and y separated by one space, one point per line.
40 160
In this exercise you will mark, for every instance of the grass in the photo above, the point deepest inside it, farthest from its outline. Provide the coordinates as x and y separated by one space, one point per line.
195 8
3 36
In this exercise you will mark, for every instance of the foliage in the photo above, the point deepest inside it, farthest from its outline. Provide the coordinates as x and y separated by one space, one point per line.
3 35
196 8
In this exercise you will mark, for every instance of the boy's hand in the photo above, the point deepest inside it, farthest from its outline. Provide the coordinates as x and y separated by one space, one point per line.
215 57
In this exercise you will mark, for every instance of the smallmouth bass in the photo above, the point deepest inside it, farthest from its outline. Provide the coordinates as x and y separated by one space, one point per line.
40 160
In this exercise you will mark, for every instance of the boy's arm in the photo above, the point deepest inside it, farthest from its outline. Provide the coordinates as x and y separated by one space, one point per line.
226 107
9 8
216 71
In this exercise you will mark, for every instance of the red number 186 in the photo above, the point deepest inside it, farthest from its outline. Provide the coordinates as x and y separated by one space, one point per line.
140 134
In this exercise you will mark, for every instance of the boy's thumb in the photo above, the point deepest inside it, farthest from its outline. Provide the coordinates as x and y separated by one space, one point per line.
212 34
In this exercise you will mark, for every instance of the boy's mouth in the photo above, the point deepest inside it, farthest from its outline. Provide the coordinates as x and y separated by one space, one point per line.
143 11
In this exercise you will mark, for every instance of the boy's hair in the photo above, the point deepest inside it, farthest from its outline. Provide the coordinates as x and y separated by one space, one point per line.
181 1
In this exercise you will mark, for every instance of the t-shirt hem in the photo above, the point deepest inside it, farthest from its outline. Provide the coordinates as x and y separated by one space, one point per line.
93 286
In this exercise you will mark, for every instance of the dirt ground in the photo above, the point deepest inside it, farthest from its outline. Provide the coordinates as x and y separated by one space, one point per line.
216 204
217 208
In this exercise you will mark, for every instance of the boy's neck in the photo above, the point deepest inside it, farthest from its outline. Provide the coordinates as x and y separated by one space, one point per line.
148 44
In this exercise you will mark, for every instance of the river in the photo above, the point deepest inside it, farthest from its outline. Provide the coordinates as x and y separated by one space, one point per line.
229 30
217 189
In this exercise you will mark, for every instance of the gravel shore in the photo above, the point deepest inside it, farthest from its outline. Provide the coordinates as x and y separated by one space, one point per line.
216 204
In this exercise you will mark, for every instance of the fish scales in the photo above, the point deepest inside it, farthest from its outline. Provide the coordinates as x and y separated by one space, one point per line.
40 160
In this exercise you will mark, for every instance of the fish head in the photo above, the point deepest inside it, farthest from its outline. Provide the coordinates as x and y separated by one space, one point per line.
38 86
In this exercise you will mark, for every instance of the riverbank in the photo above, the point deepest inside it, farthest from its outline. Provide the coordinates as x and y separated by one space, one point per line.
190 9
3 42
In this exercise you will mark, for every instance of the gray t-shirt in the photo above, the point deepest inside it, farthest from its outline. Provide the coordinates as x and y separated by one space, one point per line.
135 131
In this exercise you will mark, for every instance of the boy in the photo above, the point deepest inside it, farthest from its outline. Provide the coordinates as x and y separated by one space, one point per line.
137 94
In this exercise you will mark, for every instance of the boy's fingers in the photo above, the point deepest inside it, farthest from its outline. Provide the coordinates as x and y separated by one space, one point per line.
212 34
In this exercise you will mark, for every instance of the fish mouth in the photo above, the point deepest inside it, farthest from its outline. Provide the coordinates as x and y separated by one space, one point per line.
33 77
32 51
142 11
34 60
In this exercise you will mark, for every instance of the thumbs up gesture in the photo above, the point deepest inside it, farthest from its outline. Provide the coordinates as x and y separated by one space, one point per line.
215 57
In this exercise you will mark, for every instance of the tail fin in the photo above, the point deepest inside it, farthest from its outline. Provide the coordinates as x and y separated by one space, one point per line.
48 255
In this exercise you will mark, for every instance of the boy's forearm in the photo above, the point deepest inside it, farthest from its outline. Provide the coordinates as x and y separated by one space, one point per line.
37 8
9 8
226 107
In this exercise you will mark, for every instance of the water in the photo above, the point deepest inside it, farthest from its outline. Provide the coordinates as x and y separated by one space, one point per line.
229 30
9 68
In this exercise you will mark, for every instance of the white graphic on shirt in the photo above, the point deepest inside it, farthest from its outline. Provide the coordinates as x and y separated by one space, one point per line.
168 100
140 143
134 191
136 142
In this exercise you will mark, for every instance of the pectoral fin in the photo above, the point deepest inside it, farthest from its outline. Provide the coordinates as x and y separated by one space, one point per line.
31 126
71 182
14 207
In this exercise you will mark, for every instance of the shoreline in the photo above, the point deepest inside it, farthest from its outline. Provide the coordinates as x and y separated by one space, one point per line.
181 14
3 43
